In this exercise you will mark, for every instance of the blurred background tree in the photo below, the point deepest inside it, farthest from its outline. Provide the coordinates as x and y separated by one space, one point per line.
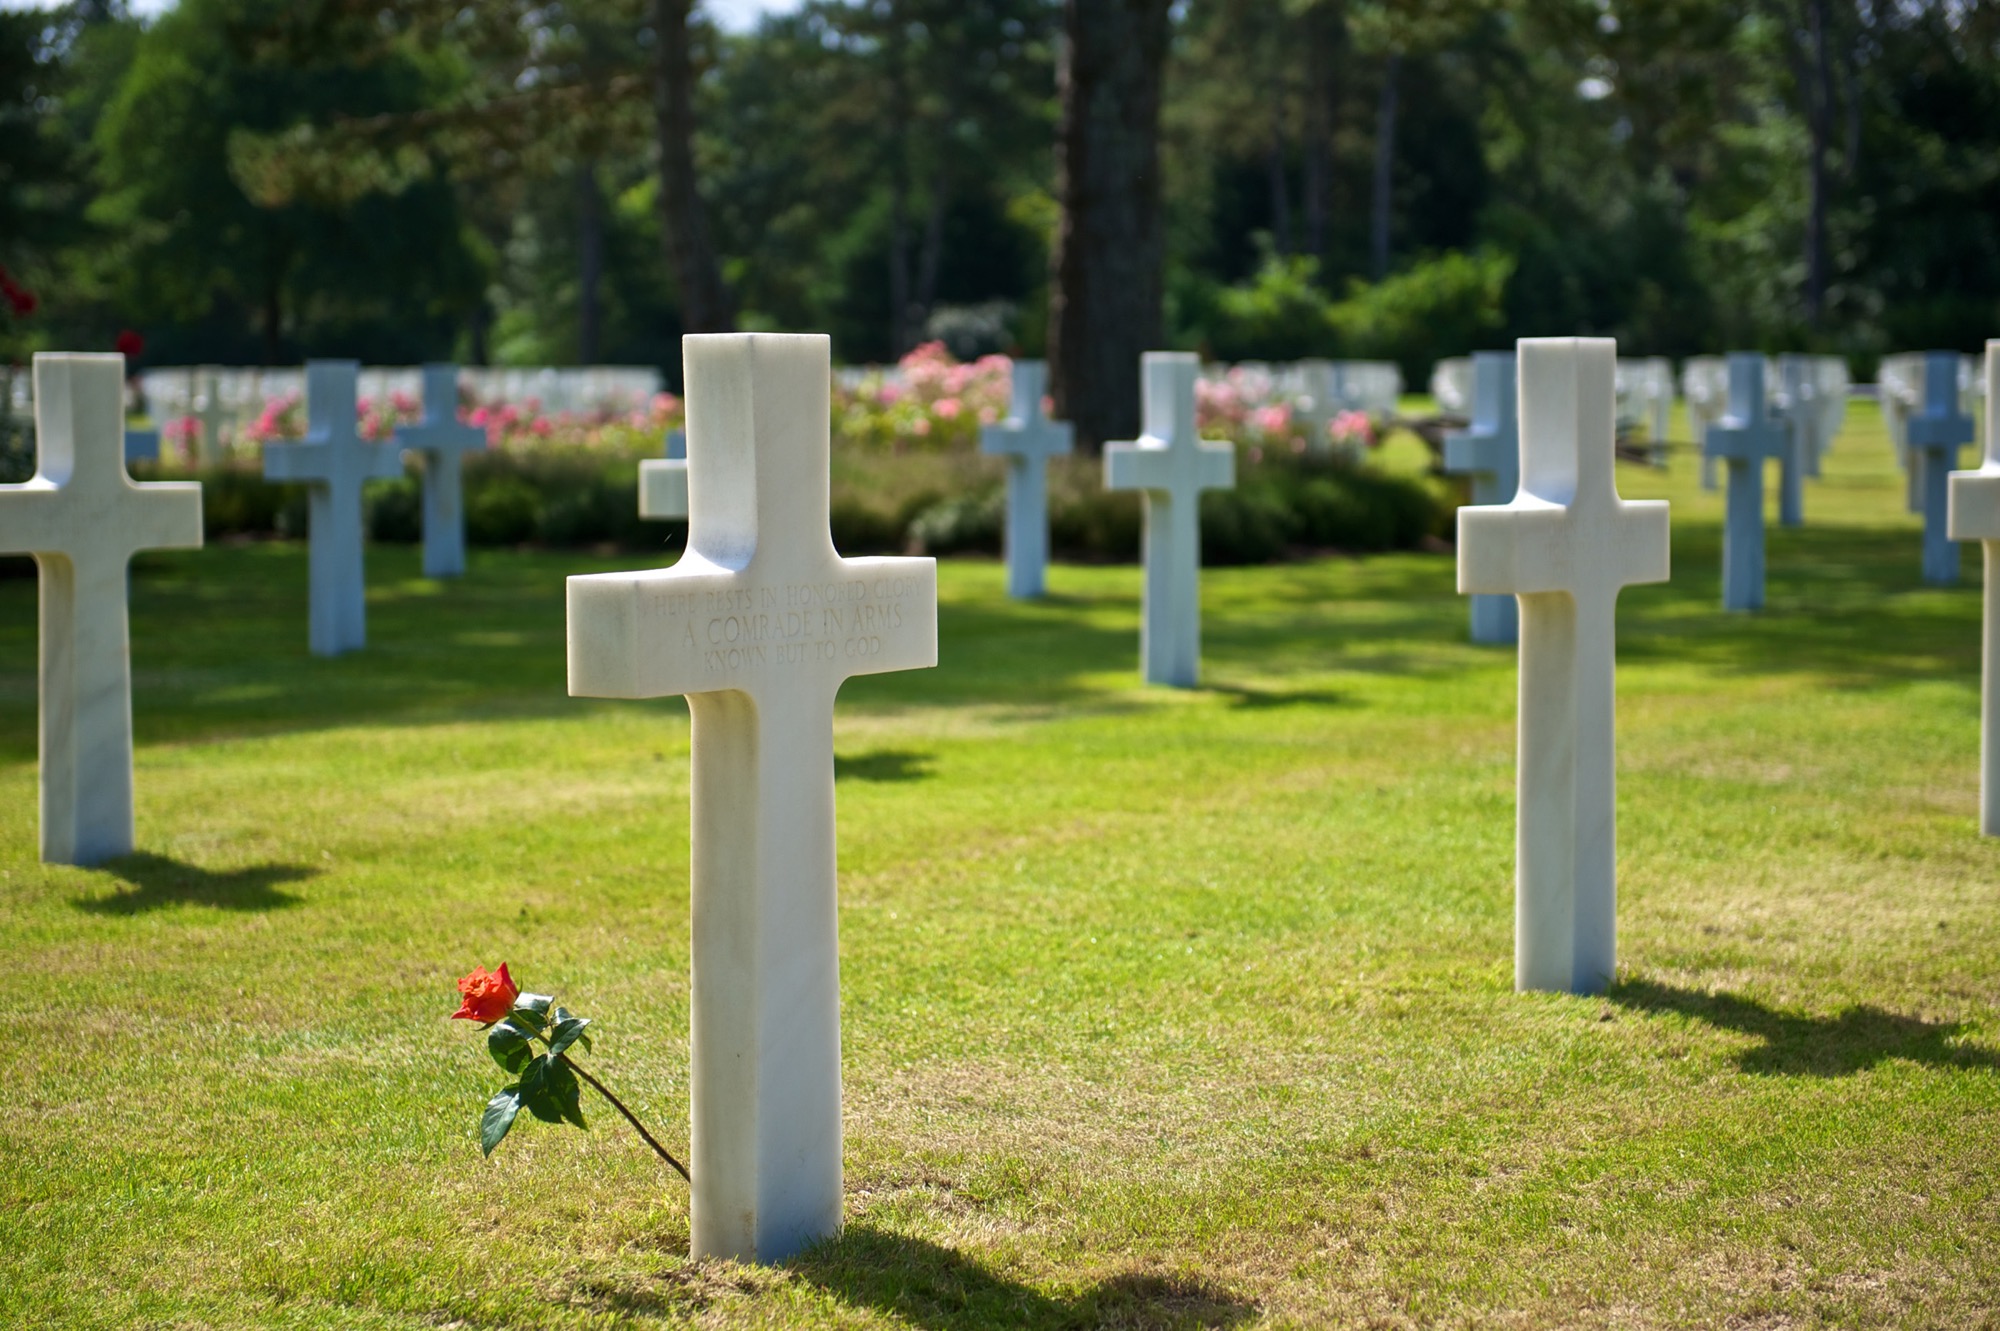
262 180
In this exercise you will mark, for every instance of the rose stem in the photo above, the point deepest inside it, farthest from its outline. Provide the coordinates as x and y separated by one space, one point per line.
637 1126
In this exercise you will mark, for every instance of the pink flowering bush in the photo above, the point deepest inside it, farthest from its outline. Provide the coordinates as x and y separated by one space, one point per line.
931 400
510 426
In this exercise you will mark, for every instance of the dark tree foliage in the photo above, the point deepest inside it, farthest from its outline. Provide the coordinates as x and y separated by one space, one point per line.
558 180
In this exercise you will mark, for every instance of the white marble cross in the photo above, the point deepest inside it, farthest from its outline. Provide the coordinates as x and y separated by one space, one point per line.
1936 433
1490 452
1975 516
443 440
1027 439
334 462
758 625
82 518
663 482
1171 466
208 440
1565 546
1744 439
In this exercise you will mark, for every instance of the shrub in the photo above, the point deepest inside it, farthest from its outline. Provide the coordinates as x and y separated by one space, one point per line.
1418 317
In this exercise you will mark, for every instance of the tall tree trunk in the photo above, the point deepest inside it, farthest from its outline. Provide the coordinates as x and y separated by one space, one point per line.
1281 200
590 263
1322 50
1106 305
931 257
273 315
1819 124
705 303
1385 161
899 183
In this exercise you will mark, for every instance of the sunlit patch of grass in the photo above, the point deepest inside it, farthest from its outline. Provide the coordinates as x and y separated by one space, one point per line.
1160 1009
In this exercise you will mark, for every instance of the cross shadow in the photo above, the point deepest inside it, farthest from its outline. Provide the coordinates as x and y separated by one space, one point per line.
928 1285
1799 1046
157 881
883 765
1242 695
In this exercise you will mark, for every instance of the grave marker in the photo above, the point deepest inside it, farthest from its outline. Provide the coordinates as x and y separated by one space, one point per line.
1801 416
663 482
1490 452
1744 439
209 444
142 446
1171 466
1975 516
1936 434
758 625
334 462
1027 439
1565 546
443 440
83 518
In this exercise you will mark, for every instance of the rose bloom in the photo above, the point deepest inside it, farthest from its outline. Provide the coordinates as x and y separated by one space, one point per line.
489 995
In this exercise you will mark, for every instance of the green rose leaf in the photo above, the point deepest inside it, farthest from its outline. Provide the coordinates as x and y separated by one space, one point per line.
568 1031
568 1093
511 1046
499 1117
538 1094
535 1003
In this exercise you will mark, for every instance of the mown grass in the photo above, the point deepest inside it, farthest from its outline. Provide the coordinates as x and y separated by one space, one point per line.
1160 1009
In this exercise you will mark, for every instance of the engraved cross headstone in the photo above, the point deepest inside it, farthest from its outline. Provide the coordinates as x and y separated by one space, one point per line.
1975 516
443 440
1565 546
1745 438
1171 466
209 445
663 482
334 462
83 518
142 446
1490 452
1936 434
1027 439
758 625
1795 377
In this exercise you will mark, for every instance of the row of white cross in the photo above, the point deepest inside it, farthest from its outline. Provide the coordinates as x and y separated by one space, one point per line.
762 620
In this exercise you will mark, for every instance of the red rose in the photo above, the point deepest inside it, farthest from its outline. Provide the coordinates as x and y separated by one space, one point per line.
489 995
129 345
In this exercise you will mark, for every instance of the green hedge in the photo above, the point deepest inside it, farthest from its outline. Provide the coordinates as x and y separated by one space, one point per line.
1278 510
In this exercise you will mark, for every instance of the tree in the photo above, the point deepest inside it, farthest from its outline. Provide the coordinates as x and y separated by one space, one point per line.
1106 308
705 302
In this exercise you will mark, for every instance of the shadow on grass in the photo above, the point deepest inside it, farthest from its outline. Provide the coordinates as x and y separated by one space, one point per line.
157 881
926 1284
883 765
1797 1046
1243 695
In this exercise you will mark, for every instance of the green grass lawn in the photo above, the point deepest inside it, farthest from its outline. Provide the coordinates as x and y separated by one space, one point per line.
1160 1008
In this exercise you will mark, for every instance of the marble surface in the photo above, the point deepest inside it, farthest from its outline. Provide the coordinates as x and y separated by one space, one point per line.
1027 439
334 462
442 440
1974 503
82 518
1746 437
758 625
1565 545
1936 432
1170 465
1489 451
